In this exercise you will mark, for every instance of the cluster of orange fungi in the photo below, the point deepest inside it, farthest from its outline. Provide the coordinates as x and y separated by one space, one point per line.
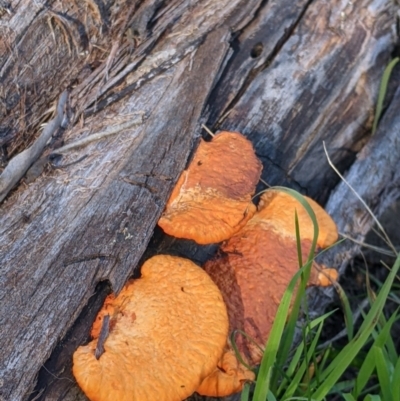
165 336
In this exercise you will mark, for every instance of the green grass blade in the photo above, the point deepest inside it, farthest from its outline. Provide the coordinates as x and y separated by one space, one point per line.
288 335
238 355
245 396
383 374
298 242
271 350
371 397
348 353
296 359
395 385
342 386
348 315
297 379
364 374
382 92
348 397
368 365
322 365
389 345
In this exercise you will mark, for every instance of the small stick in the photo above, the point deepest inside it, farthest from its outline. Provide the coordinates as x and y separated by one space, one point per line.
265 183
371 213
19 164
208 130
100 135
104 332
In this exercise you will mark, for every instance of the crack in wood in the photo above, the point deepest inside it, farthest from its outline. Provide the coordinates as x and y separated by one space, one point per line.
143 79
86 258
253 73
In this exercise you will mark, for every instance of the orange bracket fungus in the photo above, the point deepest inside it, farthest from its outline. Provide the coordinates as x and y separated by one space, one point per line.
212 198
227 378
166 333
255 266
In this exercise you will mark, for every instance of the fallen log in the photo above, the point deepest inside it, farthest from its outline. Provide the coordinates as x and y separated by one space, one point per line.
288 76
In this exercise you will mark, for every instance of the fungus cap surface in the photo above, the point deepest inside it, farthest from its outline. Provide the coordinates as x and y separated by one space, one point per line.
278 208
167 332
228 377
212 198
256 265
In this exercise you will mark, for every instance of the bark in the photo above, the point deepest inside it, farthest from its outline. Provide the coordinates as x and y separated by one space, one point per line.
288 75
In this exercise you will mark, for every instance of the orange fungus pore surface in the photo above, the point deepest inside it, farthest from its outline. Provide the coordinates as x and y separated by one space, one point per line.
167 332
212 198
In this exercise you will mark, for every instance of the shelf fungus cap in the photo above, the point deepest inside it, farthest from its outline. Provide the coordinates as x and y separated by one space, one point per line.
256 265
167 331
228 377
277 208
212 198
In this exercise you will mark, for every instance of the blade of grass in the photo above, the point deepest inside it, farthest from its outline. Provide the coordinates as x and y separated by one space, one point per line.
298 242
382 320
347 312
326 355
369 246
271 350
236 349
371 389
245 396
368 365
390 347
348 353
382 92
348 397
297 379
303 284
288 335
383 374
296 359
341 386
371 397
395 387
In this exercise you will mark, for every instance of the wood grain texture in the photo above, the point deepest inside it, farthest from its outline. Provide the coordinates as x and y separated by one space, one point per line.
378 165
107 205
286 74
375 177
319 86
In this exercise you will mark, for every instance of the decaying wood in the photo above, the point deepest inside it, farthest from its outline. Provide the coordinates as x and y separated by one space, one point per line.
18 165
375 177
286 74
309 93
378 165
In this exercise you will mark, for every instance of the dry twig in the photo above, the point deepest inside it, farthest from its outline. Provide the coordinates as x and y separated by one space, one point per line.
19 164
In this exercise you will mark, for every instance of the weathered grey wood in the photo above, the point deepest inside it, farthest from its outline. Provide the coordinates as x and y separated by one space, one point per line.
378 165
253 50
106 205
55 380
320 86
375 176
316 78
